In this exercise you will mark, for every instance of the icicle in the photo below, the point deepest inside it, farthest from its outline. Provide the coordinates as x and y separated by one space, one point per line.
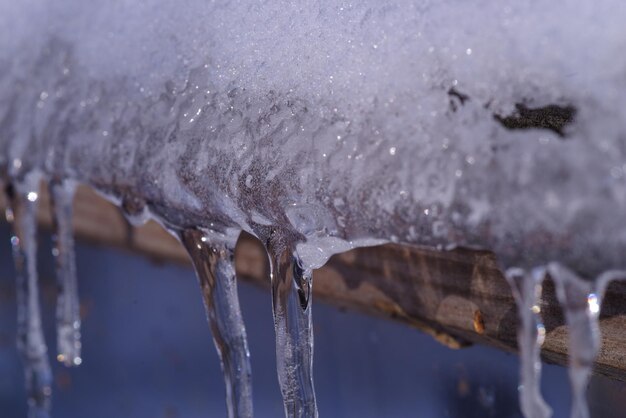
581 301
215 270
22 214
68 307
530 335
291 297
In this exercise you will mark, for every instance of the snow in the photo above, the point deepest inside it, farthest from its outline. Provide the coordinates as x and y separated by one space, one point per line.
338 124
225 108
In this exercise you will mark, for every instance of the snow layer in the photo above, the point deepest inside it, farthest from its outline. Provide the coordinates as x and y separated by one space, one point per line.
330 120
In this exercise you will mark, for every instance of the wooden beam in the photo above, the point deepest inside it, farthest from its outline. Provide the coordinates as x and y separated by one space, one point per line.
459 297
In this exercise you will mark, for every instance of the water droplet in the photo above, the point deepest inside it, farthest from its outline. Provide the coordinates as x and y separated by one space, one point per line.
592 301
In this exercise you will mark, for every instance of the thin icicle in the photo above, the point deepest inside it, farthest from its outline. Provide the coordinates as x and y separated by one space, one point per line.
581 301
68 306
291 297
526 290
215 270
22 214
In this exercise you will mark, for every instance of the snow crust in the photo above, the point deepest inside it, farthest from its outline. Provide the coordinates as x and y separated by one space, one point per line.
332 120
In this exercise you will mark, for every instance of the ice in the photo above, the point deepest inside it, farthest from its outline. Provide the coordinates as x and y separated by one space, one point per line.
526 289
292 289
341 125
581 300
22 199
214 264
209 149
68 306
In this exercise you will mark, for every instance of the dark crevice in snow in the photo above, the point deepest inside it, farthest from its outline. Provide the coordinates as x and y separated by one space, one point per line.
552 117
457 98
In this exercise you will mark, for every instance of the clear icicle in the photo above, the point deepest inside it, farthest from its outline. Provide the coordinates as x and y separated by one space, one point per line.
68 306
291 297
526 290
581 301
215 270
22 214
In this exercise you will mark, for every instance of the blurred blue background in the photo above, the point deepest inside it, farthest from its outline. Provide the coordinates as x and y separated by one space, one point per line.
147 352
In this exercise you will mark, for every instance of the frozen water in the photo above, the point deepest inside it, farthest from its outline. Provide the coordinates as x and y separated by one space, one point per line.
214 264
21 213
526 289
68 306
341 125
292 289
338 115
581 300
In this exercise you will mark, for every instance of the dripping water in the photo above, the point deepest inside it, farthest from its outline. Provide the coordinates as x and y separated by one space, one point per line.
22 215
68 306
214 265
291 297
526 288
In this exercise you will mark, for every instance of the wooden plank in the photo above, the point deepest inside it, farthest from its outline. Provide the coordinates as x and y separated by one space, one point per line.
459 297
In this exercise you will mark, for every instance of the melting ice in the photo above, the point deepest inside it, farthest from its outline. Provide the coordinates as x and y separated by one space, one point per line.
292 307
214 264
68 308
21 212
334 126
